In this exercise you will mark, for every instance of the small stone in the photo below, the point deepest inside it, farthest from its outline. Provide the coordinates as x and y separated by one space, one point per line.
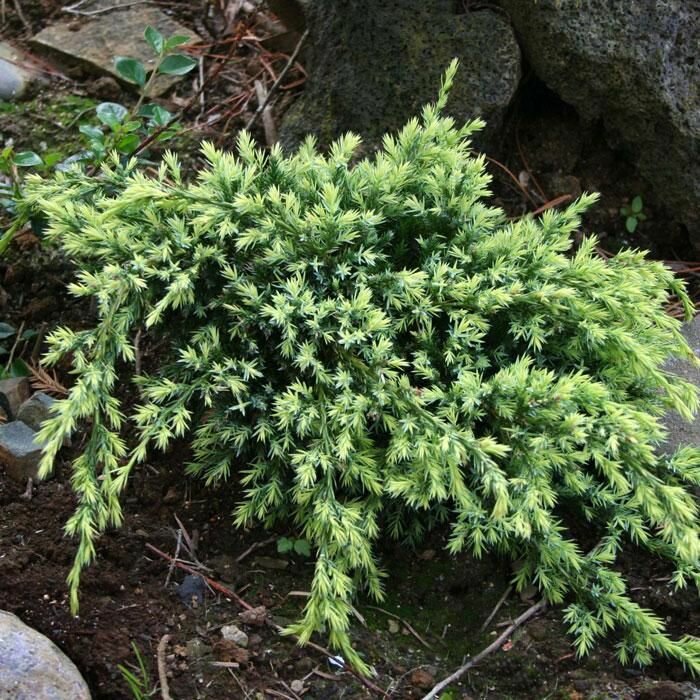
16 73
95 42
13 393
197 649
297 686
255 617
35 410
233 634
393 627
20 453
421 678
271 563
32 666
191 591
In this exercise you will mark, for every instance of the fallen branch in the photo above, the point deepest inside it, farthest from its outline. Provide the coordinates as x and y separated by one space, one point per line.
530 612
162 671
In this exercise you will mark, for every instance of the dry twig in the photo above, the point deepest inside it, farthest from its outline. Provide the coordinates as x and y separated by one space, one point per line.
530 612
162 671
494 612
41 380
277 82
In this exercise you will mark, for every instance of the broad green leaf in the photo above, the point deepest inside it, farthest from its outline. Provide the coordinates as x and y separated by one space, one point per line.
155 39
177 64
130 69
302 547
157 114
27 159
631 224
92 132
174 41
19 369
284 545
128 144
111 113
637 204
6 331
52 158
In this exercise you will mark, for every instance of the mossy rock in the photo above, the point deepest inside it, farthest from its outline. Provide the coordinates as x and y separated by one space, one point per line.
372 65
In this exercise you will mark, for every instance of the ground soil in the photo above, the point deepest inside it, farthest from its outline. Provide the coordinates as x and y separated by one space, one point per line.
436 603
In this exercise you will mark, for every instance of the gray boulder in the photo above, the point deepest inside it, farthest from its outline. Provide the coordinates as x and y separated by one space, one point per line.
635 66
32 667
680 431
373 65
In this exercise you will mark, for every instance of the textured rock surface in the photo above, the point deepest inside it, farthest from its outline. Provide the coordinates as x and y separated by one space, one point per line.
373 65
13 393
33 668
97 41
680 432
634 65
233 634
35 410
20 453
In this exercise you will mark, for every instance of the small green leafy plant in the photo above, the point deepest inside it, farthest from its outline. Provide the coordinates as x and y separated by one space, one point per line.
367 350
288 545
633 213
118 129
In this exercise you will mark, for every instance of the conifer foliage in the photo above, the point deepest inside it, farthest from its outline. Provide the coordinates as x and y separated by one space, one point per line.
367 350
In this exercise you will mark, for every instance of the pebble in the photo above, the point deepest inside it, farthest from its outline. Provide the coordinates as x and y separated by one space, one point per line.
33 667
234 634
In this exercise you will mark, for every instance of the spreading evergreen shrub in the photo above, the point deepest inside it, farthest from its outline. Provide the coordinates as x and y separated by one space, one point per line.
369 350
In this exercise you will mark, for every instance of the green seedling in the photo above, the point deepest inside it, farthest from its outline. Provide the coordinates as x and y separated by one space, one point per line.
633 214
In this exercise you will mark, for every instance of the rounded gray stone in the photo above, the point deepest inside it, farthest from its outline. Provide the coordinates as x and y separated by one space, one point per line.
14 78
32 667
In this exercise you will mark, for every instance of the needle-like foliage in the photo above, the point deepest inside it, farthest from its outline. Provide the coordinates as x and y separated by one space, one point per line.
368 350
